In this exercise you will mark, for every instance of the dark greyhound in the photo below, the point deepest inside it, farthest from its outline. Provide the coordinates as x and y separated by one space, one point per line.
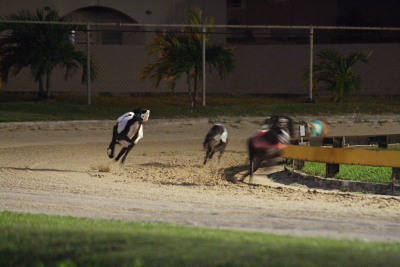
127 132
267 145
215 141
284 122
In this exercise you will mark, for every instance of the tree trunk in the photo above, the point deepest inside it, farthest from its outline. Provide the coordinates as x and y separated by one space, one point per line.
189 88
48 92
335 99
41 93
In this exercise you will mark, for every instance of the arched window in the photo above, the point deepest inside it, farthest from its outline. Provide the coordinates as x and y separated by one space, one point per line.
116 35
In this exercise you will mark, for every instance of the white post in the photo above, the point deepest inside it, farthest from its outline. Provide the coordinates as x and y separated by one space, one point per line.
302 131
204 66
311 61
89 91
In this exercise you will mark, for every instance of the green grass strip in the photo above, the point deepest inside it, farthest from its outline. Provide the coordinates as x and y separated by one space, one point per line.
38 240
353 172
67 107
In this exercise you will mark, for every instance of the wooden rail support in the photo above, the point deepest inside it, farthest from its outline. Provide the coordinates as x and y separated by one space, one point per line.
381 140
395 178
350 156
299 164
333 169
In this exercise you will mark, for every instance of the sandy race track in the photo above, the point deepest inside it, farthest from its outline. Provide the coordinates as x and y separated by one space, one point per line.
62 169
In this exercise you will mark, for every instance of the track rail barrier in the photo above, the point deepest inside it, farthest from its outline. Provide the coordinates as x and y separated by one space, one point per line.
351 156
382 141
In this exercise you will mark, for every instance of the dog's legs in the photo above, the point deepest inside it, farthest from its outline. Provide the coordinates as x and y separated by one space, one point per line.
251 157
211 154
254 165
206 158
127 152
251 170
221 152
122 152
257 162
111 147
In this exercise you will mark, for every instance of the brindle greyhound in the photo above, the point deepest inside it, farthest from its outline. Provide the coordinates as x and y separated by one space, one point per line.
127 132
215 141
267 145
284 122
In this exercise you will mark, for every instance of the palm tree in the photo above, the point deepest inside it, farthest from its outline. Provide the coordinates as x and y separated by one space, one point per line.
40 47
334 72
179 54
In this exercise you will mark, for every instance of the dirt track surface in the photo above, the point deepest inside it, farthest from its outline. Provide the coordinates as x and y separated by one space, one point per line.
62 169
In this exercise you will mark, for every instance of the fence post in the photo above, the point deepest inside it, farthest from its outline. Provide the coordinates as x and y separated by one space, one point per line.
333 169
311 61
383 141
395 178
299 164
204 65
89 91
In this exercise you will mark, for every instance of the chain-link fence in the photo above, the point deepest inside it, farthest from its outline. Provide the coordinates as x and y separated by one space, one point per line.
269 60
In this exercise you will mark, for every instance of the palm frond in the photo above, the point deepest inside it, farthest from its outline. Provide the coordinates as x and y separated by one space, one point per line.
179 54
41 47
333 72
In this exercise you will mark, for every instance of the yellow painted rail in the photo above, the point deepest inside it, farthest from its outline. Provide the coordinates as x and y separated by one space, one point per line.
351 156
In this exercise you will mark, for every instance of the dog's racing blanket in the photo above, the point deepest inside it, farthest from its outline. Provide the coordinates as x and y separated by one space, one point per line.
318 127
222 137
259 142
123 120
140 135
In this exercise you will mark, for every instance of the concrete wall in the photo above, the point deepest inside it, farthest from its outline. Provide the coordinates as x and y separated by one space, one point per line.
272 69
276 69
